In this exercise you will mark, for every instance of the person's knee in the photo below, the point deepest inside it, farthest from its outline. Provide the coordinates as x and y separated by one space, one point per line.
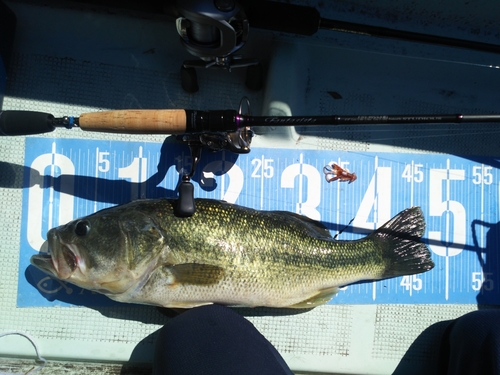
214 340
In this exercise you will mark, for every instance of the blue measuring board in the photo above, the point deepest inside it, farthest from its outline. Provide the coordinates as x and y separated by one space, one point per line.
69 178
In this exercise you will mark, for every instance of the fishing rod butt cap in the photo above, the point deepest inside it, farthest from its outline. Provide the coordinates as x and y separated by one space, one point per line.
25 123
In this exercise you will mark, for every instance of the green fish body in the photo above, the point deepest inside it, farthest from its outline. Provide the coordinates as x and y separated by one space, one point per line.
140 252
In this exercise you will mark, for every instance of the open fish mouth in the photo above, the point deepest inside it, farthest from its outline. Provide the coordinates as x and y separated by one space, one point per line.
43 261
60 261
69 257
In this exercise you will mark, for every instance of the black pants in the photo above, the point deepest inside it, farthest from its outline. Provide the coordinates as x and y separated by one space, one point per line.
471 345
214 340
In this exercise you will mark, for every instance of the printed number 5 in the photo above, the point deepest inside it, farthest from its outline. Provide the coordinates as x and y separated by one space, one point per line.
102 162
438 207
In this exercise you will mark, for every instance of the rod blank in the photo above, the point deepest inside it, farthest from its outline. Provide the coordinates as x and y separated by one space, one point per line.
305 20
365 120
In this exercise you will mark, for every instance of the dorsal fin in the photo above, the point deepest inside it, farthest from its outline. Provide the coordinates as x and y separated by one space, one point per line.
313 227
309 226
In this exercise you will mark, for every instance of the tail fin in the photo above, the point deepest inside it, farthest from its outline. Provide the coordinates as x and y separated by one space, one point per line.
403 251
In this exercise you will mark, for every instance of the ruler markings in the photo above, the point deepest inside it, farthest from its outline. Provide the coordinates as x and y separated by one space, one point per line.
457 277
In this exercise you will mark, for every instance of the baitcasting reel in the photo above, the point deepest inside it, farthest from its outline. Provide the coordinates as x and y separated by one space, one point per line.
214 31
237 141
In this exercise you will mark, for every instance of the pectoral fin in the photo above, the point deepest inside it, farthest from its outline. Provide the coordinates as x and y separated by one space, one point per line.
196 274
320 298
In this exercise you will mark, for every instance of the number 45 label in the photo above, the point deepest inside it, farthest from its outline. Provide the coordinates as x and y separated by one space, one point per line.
412 282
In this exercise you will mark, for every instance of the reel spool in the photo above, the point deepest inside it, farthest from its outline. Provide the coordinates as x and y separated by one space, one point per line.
214 31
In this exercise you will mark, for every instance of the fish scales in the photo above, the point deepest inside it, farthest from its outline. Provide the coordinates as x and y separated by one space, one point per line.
279 251
226 254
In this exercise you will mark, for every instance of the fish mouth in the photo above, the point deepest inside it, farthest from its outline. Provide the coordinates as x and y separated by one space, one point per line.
43 262
60 260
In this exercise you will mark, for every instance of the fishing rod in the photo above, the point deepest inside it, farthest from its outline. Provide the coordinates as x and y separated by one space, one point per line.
216 130
305 20
185 121
215 30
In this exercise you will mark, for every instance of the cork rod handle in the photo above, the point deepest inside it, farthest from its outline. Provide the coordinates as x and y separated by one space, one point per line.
140 121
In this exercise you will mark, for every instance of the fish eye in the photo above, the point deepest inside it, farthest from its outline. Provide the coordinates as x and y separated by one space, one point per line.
82 228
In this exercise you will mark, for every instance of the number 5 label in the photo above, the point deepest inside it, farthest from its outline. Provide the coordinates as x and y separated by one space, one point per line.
440 204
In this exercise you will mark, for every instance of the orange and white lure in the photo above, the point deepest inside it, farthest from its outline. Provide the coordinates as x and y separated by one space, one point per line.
334 172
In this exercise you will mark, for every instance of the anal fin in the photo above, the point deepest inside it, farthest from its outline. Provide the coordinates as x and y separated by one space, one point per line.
187 305
320 298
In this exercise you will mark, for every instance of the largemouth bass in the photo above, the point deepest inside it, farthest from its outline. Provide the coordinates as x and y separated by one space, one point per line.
140 252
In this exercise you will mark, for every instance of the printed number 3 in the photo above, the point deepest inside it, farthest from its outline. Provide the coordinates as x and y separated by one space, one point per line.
308 207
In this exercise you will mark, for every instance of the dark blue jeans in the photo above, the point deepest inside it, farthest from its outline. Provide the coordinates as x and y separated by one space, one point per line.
214 339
